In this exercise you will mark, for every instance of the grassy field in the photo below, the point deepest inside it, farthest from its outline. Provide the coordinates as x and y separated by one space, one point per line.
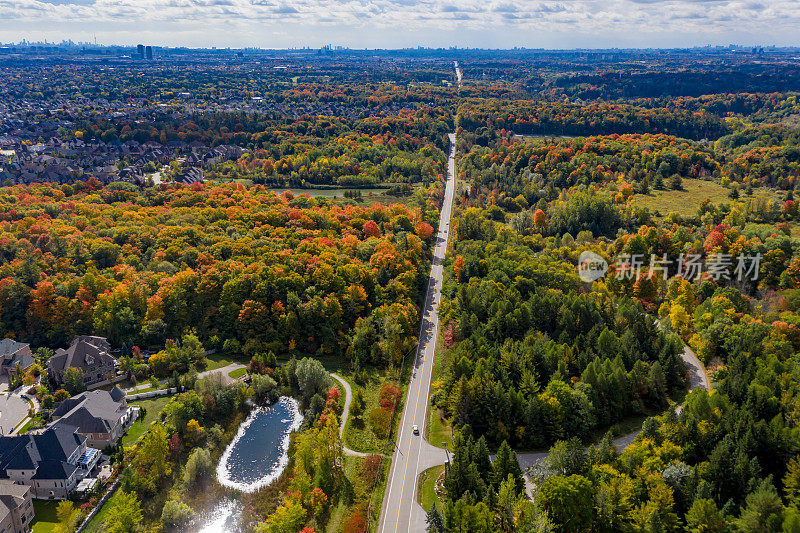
153 406
352 466
358 434
426 494
333 192
438 429
45 520
218 360
239 372
684 202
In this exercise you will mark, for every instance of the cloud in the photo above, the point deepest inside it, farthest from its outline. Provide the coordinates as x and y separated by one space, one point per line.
406 22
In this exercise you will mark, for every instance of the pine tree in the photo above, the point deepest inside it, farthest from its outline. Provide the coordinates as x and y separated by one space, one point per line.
504 464
480 456
434 520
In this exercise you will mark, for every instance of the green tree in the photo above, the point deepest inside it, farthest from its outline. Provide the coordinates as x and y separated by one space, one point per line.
763 512
288 518
568 500
176 514
506 501
125 513
198 465
506 464
73 381
264 388
67 517
434 520
704 517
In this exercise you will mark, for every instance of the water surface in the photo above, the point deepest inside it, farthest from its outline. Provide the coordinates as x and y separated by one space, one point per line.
260 450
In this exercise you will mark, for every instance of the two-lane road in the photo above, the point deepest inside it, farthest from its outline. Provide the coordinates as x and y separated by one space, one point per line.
412 454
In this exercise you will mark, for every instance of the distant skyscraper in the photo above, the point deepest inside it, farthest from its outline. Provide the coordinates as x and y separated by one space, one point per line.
140 51
148 51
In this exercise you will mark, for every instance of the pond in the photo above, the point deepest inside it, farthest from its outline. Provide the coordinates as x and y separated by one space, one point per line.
259 452
225 517
255 458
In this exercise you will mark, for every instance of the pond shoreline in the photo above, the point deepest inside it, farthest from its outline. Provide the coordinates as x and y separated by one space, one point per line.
227 513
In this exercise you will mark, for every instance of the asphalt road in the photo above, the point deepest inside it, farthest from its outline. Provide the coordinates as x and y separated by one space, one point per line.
412 454
13 410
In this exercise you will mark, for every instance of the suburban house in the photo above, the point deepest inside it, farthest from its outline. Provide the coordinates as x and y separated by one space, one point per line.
14 355
90 354
50 463
16 508
101 416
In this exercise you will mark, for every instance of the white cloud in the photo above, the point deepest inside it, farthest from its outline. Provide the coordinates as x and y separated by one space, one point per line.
359 23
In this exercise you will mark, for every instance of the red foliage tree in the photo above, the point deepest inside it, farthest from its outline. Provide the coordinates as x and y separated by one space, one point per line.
371 229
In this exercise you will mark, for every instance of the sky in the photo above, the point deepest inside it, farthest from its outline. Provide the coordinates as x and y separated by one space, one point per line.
403 23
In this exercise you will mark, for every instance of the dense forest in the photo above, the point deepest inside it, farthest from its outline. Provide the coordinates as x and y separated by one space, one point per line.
568 404
539 358
246 269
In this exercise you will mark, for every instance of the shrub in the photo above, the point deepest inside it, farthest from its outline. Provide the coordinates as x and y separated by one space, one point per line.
176 514
379 418
197 466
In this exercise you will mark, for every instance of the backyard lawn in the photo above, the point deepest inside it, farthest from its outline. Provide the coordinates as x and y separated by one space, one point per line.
45 520
96 525
153 407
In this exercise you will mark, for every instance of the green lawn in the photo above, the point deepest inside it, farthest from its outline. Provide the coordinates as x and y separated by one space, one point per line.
153 406
439 429
239 372
96 525
45 520
426 494
218 360
352 467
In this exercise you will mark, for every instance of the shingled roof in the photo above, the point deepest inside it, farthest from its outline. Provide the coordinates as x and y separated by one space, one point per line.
84 352
91 412
48 452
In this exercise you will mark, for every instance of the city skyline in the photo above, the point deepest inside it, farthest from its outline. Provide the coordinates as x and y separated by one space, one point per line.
405 23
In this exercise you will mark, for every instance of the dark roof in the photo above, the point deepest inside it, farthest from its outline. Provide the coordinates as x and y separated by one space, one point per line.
58 443
44 452
54 470
10 346
12 496
117 394
23 360
91 412
84 352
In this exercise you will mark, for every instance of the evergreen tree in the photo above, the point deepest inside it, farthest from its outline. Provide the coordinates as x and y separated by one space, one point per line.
506 464
434 520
